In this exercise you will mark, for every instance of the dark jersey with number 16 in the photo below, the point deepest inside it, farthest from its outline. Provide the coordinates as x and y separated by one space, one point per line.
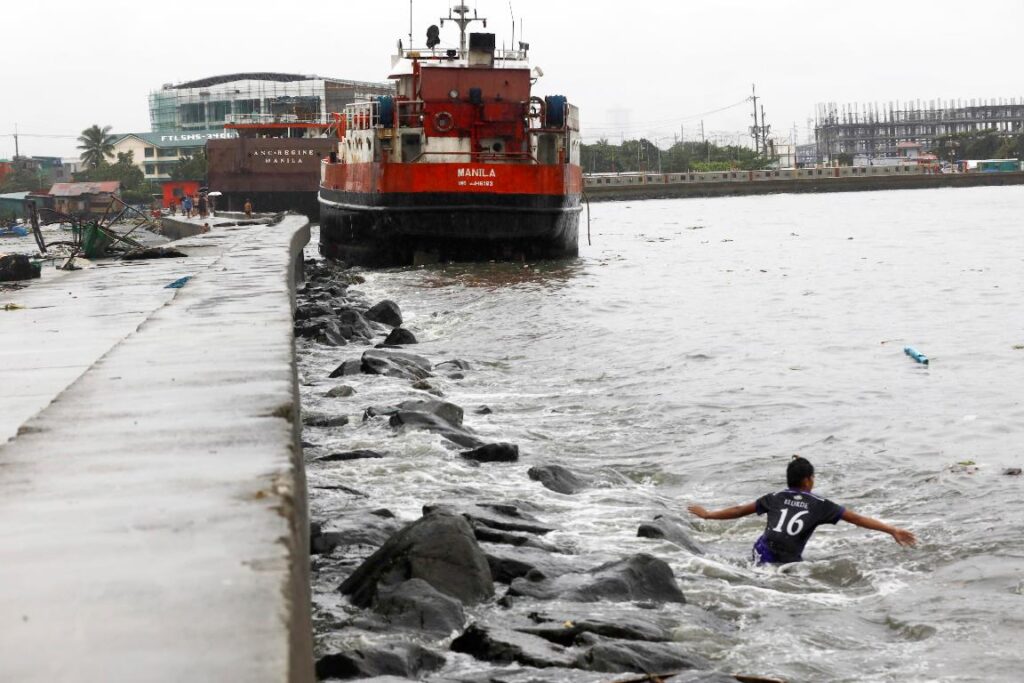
792 518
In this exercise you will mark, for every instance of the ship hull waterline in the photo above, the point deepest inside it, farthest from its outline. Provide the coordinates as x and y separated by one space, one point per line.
396 229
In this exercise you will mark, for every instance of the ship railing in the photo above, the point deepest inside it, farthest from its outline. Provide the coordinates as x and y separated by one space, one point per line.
428 55
362 115
273 118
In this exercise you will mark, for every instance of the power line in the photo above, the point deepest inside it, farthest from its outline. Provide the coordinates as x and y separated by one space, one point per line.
35 135
674 120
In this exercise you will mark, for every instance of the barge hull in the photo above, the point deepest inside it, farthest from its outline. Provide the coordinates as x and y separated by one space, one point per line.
397 229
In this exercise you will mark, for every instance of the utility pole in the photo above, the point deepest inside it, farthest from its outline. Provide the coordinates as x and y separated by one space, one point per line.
764 132
755 132
410 24
16 154
707 147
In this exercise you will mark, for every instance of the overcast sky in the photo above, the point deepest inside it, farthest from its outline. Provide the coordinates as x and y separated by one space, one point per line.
634 68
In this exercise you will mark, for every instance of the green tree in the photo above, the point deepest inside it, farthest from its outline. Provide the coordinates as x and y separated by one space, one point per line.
97 145
632 156
23 180
190 168
983 144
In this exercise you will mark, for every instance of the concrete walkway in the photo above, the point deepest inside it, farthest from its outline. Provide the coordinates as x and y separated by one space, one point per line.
152 498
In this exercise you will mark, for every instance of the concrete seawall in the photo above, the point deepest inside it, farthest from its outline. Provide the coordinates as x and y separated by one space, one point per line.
153 522
659 190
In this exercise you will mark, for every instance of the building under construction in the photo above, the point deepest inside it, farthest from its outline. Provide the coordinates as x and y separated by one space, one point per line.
875 131
209 103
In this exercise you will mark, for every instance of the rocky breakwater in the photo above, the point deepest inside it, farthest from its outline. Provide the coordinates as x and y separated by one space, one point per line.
473 590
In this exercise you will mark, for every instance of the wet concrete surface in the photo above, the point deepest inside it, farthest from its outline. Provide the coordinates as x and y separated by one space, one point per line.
152 497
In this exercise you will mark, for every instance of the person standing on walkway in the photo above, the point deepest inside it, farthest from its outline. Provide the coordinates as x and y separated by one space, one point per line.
186 206
248 208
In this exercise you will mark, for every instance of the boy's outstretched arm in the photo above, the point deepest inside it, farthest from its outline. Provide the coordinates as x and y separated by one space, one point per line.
902 536
735 512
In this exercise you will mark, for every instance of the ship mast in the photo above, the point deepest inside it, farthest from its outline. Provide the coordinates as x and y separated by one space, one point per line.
463 21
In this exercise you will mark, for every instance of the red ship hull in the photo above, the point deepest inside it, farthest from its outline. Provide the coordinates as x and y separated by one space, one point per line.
381 214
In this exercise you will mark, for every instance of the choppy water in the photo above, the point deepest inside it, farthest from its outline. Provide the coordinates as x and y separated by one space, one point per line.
688 353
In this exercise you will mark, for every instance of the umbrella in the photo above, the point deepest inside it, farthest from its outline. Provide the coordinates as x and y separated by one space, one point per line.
214 194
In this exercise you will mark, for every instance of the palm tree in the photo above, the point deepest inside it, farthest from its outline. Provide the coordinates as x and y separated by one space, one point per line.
97 145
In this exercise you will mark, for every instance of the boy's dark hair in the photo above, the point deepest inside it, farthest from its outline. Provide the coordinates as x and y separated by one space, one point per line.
798 470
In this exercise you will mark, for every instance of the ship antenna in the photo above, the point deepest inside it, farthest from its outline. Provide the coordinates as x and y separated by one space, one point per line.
463 21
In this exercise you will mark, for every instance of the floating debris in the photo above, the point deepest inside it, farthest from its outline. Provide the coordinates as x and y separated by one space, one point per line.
916 355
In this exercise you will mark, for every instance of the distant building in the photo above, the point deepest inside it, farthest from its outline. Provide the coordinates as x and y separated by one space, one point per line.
158 153
806 155
12 205
209 103
878 132
80 199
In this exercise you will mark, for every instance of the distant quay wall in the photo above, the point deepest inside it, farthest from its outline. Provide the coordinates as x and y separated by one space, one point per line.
663 187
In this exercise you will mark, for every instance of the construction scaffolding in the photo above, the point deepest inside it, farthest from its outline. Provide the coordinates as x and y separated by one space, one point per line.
209 103
875 131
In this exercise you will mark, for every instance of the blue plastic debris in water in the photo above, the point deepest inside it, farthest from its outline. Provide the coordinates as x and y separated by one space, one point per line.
916 355
180 282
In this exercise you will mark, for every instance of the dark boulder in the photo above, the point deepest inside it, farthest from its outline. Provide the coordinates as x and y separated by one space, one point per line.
505 646
329 334
311 310
393 659
637 578
427 386
509 563
321 420
386 312
340 391
348 368
309 329
503 517
454 364
483 410
357 529
557 478
438 548
353 324
399 336
638 657
415 604
350 455
395 364
566 630
673 530
449 412
379 411
493 452
430 422
146 253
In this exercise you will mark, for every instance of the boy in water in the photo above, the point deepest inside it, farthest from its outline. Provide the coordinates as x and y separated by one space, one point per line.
794 514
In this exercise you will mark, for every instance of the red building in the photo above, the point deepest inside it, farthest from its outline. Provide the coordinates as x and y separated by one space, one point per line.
175 190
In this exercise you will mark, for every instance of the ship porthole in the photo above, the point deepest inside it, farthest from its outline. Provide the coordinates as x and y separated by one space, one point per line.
443 121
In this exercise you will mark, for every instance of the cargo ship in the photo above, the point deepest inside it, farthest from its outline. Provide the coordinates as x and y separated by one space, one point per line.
463 163
275 164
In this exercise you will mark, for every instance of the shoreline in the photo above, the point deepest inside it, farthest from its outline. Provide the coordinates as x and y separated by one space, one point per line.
661 189
511 591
